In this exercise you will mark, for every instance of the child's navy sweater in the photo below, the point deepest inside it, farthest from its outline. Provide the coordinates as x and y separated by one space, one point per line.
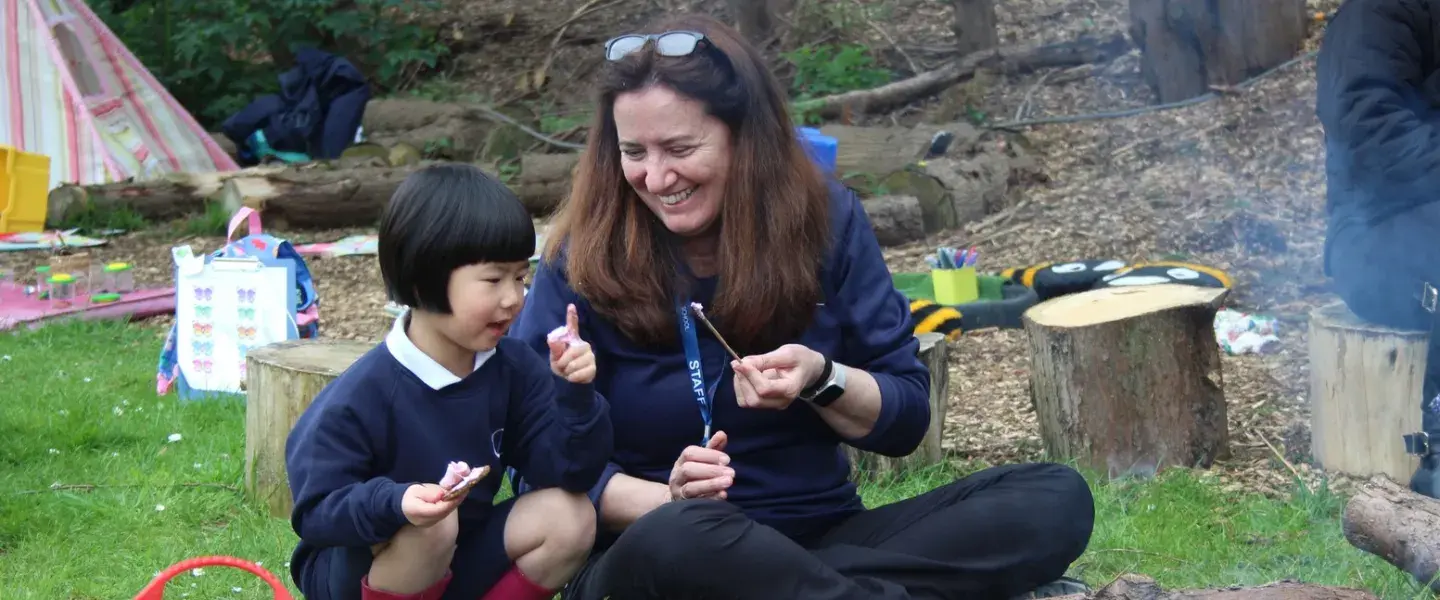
396 418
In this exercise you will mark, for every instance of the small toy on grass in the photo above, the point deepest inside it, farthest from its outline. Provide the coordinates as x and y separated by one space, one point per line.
699 311
459 478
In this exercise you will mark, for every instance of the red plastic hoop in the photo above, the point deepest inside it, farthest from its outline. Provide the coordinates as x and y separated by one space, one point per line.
156 589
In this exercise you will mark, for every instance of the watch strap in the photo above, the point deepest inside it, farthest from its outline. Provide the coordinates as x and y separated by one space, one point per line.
819 384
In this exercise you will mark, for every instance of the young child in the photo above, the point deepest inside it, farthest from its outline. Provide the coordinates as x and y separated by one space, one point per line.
368 459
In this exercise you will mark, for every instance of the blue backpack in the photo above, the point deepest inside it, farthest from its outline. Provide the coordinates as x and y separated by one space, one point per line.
270 251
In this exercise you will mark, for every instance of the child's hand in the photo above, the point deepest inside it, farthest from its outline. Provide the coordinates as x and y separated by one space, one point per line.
424 504
570 356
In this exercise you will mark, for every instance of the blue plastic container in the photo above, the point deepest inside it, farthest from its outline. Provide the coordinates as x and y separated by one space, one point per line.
822 148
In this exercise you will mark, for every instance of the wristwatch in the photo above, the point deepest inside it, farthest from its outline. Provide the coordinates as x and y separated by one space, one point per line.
828 388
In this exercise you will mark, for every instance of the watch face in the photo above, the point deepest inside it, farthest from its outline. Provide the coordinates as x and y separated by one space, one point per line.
828 395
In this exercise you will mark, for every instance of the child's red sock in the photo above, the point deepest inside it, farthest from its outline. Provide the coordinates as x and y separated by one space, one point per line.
434 592
515 586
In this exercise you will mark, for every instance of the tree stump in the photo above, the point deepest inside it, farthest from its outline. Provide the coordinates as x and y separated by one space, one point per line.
975 26
1127 380
1397 525
1190 46
934 352
1365 386
281 381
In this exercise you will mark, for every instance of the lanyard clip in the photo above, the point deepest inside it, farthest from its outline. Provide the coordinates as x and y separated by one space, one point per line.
705 441
1429 297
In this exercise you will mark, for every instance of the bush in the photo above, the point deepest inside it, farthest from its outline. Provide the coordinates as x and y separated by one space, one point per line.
215 56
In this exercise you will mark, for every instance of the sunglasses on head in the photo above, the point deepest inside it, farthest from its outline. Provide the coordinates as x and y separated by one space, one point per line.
670 43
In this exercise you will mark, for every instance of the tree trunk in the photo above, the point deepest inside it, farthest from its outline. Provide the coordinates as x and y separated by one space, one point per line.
1139 587
1127 380
1397 525
1190 46
975 26
175 195
281 380
1365 387
758 19
935 353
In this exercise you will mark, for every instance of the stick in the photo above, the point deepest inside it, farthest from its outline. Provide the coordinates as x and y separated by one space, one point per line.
701 314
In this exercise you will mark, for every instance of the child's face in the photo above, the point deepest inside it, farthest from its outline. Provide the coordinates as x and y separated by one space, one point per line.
484 299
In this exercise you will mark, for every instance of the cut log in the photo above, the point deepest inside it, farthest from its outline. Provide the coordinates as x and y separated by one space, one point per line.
975 26
1365 390
281 380
935 353
316 198
1189 47
1140 587
323 198
1127 380
172 196
896 220
544 180
1398 525
1012 59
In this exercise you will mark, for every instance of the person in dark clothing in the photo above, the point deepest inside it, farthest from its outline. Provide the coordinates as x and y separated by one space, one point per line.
446 385
695 205
1379 104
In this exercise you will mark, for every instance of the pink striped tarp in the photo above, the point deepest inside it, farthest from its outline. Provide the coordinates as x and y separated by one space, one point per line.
69 89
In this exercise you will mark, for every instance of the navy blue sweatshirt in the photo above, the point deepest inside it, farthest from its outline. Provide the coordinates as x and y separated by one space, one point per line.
396 418
790 468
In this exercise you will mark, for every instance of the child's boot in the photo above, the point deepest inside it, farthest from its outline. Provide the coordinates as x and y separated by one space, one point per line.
434 592
516 586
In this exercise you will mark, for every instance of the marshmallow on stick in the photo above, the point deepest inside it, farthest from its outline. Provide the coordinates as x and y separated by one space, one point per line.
562 334
459 478
699 311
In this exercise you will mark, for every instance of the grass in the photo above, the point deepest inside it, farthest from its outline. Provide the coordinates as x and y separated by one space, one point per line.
80 408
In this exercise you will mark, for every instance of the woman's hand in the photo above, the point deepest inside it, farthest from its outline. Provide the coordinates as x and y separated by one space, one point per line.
702 472
773 380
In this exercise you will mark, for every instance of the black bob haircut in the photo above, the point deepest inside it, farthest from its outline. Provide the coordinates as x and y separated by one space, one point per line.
444 217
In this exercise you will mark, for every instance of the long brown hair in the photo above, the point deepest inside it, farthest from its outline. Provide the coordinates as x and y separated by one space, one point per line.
774 223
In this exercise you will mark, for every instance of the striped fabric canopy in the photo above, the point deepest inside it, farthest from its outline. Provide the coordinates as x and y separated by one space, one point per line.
69 89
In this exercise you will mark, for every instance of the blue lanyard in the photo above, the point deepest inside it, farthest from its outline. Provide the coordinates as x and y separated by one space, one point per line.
703 397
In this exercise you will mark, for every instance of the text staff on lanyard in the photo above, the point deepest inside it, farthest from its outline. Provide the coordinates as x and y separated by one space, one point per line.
704 397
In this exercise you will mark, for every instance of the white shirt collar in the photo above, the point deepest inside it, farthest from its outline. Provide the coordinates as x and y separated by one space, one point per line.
420 363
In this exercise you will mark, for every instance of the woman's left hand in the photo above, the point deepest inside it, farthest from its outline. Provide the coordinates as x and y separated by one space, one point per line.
773 380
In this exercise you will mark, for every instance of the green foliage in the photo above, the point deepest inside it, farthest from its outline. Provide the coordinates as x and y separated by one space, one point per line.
829 69
216 56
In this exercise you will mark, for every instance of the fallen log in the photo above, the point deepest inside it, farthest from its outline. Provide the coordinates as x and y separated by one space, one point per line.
1398 525
316 198
1011 59
897 220
171 196
1127 380
1140 587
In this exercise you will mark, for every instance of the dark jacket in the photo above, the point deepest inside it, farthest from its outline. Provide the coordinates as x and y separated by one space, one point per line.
317 112
1378 93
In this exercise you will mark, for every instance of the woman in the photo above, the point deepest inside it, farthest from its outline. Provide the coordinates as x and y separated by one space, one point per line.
693 188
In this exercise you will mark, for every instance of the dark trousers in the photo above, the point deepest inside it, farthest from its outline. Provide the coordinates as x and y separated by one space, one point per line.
995 534
480 561
1380 271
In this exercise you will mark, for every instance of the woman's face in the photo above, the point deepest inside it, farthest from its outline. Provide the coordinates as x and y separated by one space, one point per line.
674 155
